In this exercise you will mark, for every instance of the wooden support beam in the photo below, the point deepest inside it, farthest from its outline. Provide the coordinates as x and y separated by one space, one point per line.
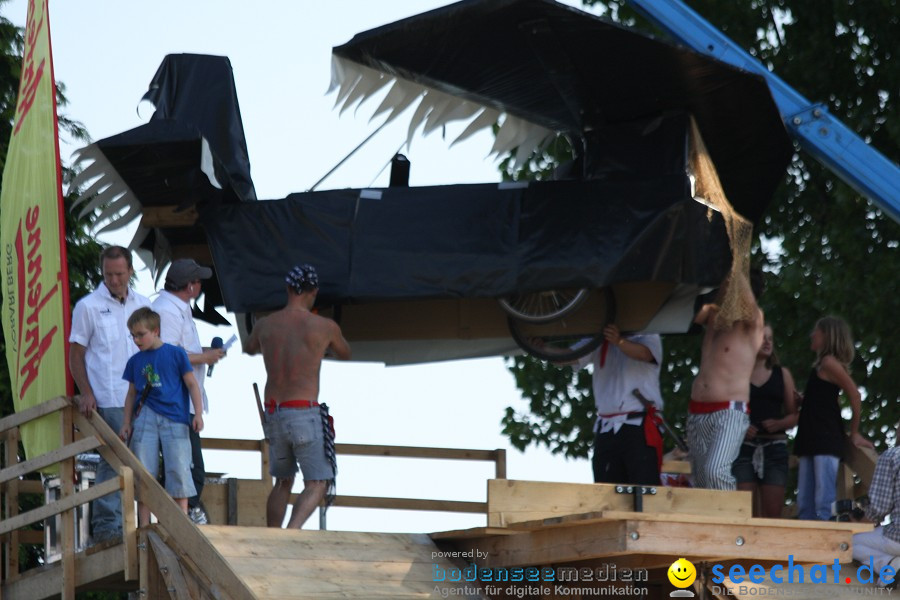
34 412
12 490
861 461
667 536
129 524
408 504
54 508
105 564
511 501
500 464
228 444
45 460
184 534
67 488
414 452
168 216
176 585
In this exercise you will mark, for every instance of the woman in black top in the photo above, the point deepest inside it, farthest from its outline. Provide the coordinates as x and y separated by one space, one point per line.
762 465
820 430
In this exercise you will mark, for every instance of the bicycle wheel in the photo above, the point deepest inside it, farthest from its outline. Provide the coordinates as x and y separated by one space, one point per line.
558 344
544 306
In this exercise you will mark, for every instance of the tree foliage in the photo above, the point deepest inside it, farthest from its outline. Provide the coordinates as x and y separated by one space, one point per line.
825 248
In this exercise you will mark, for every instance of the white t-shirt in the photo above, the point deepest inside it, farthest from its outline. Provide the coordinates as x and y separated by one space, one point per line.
177 327
100 324
614 382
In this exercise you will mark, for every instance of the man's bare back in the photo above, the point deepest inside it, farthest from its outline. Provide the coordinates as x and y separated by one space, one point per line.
293 342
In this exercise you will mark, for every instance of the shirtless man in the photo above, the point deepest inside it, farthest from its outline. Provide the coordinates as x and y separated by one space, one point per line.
718 412
293 342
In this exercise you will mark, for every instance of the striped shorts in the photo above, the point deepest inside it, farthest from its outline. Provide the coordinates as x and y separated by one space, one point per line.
715 441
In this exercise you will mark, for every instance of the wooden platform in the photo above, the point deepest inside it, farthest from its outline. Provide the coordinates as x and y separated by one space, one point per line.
289 564
546 527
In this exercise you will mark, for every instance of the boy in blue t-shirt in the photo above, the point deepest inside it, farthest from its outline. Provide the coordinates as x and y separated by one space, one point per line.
162 376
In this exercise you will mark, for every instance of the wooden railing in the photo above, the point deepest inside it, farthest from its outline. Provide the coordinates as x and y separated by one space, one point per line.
224 505
208 569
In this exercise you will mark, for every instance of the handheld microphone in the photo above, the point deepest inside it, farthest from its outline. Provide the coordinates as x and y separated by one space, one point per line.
216 343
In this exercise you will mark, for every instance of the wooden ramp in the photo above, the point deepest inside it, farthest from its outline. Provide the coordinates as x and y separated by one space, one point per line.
280 564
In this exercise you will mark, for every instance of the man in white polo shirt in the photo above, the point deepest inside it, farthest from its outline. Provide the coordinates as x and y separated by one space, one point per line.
99 346
177 328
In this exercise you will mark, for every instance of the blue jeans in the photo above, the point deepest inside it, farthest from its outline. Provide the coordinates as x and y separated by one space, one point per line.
295 436
154 432
816 486
106 512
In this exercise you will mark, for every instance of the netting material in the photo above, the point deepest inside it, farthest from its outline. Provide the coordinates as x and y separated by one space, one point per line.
735 298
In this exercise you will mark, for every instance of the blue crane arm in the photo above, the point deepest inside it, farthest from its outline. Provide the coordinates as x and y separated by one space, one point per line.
831 142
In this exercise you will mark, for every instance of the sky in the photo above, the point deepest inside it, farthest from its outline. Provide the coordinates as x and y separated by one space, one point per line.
106 52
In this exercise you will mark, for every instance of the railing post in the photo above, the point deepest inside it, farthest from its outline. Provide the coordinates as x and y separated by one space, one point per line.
11 546
500 464
129 523
67 519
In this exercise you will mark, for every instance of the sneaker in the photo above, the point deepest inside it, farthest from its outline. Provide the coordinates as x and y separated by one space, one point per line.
894 564
198 516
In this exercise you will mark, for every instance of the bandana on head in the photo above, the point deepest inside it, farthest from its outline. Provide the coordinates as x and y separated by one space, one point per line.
302 278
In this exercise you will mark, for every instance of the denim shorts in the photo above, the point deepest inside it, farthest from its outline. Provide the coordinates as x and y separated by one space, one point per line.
295 437
775 464
151 432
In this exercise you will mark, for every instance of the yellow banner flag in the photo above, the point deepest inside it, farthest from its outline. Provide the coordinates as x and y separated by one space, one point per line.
32 233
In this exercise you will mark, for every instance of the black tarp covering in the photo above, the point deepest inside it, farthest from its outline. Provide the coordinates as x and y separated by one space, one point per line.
161 163
198 91
634 222
466 241
570 71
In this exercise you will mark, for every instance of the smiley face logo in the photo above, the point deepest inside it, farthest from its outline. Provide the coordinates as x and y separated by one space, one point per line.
682 573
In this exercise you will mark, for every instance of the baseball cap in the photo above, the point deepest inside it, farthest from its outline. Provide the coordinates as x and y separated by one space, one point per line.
185 270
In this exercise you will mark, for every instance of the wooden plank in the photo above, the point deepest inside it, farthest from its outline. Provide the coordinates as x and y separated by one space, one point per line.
54 508
415 452
67 488
129 524
237 543
232 501
215 499
45 460
28 486
678 467
408 504
12 506
861 460
194 575
615 515
26 536
176 584
474 532
168 216
511 501
227 444
673 539
252 495
188 538
35 412
46 582
146 570
500 465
